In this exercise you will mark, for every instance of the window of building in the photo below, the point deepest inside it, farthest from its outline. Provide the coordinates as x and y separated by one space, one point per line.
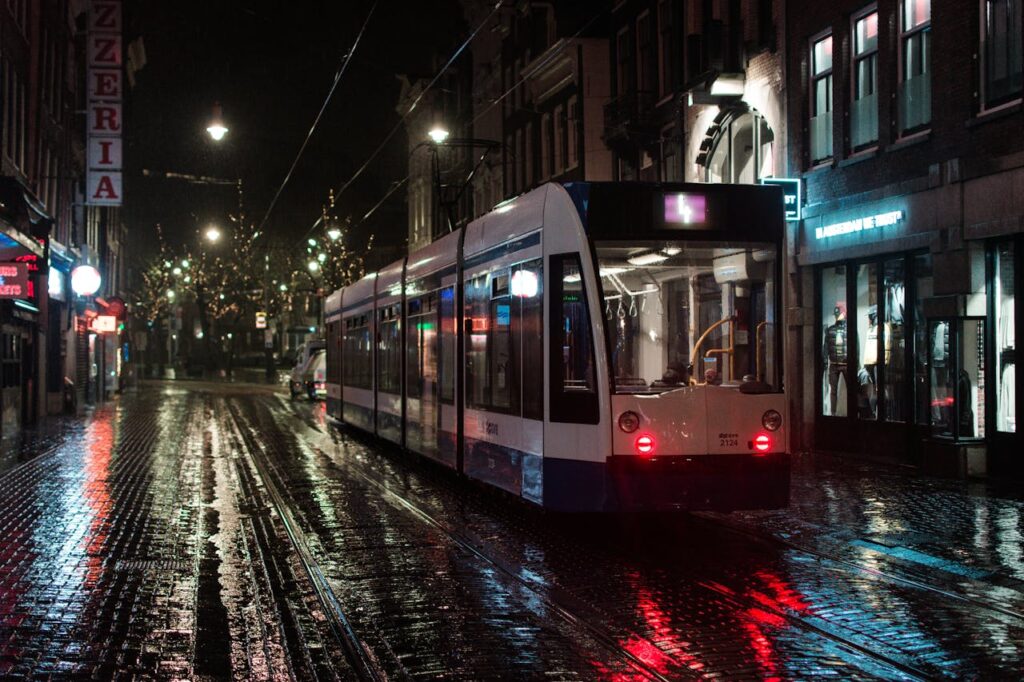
510 165
507 101
645 53
559 143
669 155
528 141
665 54
520 161
1005 361
571 133
1002 33
864 108
625 75
545 146
15 128
742 150
835 379
821 99
915 74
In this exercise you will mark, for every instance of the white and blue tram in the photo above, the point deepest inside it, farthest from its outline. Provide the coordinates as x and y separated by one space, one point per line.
588 347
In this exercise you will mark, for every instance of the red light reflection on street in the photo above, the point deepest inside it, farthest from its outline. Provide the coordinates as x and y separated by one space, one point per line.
100 439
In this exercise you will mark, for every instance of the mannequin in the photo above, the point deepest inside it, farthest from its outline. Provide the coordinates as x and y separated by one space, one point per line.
834 353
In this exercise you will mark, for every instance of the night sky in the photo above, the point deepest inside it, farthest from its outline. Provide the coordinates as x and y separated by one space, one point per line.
270 64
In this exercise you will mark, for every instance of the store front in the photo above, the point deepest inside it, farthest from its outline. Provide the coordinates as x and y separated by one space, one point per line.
914 356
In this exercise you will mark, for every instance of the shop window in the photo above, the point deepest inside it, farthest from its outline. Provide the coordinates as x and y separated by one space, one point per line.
893 341
868 341
1001 51
573 385
915 71
821 99
1005 362
924 289
864 108
835 340
957 361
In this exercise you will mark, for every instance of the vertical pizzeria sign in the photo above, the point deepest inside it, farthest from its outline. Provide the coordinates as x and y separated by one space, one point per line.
105 92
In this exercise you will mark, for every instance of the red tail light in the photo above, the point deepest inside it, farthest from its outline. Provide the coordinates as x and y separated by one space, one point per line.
645 444
763 442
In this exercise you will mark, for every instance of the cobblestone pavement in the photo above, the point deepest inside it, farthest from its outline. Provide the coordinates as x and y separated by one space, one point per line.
197 530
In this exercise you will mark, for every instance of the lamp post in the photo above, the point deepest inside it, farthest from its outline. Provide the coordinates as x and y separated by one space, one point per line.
217 130
439 136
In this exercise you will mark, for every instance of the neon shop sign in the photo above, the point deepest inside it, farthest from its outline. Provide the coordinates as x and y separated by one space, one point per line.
859 225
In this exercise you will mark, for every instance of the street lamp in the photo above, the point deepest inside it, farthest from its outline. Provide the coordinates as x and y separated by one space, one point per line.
438 134
217 129
313 266
213 234
334 233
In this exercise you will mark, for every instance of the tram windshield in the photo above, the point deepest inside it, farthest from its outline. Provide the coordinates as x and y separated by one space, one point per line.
685 313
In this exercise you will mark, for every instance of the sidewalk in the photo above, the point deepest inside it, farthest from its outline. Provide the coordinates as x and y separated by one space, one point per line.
967 537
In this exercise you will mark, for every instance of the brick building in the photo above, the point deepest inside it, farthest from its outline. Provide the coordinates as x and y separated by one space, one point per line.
44 226
906 130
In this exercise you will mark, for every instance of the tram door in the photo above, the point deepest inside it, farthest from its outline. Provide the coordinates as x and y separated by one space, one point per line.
422 369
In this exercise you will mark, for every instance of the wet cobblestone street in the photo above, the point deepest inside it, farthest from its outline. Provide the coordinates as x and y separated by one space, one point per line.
205 531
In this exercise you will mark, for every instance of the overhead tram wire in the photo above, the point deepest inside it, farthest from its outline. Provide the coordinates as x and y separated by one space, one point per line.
320 114
412 107
494 103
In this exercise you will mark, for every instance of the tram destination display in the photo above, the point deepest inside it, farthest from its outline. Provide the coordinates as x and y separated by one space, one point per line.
686 211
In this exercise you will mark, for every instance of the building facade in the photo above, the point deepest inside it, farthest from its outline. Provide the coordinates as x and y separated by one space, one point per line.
907 117
45 228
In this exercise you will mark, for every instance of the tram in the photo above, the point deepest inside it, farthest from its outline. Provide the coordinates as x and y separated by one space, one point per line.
587 347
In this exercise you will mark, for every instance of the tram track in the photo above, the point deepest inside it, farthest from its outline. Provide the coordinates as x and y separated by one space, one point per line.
879 657
556 604
364 664
569 607
557 600
853 567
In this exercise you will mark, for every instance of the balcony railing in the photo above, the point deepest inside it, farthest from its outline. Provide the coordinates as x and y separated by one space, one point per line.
629 114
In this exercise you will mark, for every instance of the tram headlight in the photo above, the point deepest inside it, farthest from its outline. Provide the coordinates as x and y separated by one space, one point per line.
629 422
771 420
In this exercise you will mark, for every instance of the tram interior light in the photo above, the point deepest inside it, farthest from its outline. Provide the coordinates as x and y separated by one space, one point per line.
647 258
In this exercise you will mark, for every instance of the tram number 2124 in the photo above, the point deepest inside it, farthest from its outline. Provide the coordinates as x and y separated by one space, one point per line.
728 440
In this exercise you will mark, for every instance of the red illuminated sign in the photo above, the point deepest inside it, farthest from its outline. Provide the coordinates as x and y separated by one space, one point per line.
14 282
104 324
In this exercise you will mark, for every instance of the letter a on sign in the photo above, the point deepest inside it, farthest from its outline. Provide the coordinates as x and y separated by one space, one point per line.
103 189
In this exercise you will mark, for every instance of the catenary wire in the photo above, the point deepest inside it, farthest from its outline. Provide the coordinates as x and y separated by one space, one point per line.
478 116
320 114
412 107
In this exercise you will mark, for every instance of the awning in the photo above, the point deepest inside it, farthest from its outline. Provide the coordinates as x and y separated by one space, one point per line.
24 224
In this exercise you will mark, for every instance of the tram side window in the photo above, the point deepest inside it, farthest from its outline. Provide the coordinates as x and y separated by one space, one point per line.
492 381
357 366
573 385
448 346
389 358
421 346
334 351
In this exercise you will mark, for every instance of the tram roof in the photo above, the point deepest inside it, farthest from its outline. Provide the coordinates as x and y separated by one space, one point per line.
638 209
